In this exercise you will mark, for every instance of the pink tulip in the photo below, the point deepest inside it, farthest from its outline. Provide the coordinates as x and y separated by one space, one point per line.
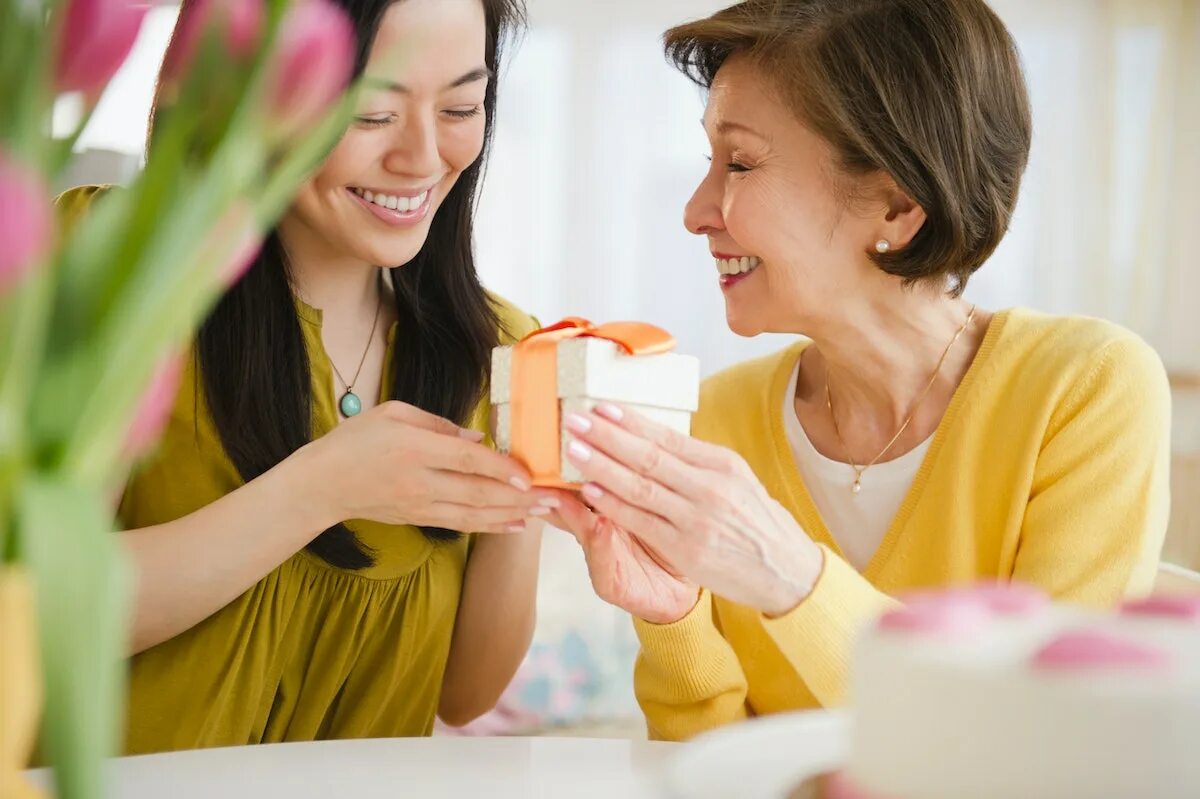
239 23
154 409
26 221
95 39
240 242
313 63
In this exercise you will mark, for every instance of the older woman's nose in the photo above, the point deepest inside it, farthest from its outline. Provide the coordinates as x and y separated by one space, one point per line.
702 215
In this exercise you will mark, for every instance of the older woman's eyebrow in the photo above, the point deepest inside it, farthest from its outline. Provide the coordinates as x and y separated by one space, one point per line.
728 126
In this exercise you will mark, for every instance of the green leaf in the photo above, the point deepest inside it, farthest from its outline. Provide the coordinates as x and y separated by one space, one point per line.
82 586
172 287
304 157
24 319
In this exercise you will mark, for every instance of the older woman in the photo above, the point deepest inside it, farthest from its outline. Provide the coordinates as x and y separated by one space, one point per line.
866 162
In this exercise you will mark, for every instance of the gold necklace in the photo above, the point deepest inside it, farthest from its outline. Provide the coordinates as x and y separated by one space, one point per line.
350 404
859 471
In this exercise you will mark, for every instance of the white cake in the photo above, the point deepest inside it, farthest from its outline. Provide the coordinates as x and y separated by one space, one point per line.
994 693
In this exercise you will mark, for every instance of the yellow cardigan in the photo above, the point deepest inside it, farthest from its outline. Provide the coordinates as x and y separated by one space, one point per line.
1050 467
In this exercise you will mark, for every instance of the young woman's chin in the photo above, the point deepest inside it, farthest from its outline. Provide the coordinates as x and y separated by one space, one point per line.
391 251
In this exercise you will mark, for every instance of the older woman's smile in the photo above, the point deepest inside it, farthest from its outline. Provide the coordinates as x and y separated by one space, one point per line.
734 269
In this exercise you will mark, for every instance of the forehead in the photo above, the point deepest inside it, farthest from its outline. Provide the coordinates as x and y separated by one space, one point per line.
739 86
741 93
430 33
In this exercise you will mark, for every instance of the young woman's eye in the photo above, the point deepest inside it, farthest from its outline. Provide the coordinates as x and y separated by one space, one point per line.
464 113
375 121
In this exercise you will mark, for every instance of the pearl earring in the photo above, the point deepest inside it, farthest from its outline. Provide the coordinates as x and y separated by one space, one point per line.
883 247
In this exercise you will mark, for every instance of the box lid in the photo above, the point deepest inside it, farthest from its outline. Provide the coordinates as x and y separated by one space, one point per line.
599 369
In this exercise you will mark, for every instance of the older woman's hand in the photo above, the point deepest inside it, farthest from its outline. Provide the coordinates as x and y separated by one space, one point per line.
624 571
699 508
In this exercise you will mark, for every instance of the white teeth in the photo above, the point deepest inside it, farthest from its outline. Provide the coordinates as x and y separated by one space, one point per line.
737 266
401 204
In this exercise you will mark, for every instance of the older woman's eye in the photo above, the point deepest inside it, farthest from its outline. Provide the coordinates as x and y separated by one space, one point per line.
732 166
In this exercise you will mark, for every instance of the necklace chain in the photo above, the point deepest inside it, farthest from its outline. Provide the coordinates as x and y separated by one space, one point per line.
374 326
859 471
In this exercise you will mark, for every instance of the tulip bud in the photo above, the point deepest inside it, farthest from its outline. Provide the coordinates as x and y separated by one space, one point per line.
240 242
154 409
26 221
313 62
237 23
95 39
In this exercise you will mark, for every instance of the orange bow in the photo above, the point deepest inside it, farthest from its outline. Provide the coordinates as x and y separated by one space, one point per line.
534 408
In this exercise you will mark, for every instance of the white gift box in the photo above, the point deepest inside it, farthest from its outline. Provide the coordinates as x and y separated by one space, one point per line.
664 387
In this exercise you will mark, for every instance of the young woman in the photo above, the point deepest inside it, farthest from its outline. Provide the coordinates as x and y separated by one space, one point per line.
298 574
866 162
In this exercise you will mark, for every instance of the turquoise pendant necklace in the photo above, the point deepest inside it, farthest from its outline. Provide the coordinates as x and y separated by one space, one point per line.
350 404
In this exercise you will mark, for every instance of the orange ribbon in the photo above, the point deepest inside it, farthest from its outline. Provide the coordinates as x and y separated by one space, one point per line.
534 403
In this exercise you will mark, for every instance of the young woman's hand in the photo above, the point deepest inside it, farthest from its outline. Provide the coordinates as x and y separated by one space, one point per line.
397 464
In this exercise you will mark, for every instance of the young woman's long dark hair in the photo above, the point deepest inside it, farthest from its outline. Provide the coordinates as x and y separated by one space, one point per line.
251 354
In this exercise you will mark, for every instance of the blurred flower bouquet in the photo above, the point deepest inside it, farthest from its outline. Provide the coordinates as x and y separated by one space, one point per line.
95 313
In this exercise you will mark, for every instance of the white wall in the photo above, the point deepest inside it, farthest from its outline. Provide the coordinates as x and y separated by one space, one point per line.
599 146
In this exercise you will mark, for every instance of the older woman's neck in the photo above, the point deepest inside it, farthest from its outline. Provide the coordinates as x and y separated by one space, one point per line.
880 355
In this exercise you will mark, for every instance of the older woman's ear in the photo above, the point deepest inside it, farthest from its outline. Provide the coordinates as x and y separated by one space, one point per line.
903 218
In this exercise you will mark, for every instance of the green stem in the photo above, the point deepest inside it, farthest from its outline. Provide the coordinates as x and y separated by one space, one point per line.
25 322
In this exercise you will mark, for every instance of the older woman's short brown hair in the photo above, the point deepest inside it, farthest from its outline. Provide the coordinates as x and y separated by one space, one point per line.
929 91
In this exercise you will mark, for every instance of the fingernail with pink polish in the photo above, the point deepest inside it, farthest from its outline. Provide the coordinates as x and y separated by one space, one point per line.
592 491
516 528
577 423
519 484
611 412
579 451
538 512
550 502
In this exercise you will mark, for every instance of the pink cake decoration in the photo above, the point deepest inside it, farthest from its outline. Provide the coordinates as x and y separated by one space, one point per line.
946 615
839 786
1008 599
1174 606
1080 650
963 610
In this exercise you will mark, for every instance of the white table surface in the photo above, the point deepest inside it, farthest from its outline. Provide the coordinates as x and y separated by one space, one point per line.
430 768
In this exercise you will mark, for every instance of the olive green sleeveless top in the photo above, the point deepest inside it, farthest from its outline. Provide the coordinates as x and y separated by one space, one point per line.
311 651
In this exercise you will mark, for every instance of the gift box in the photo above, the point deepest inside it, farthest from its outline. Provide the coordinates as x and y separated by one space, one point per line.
570 368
